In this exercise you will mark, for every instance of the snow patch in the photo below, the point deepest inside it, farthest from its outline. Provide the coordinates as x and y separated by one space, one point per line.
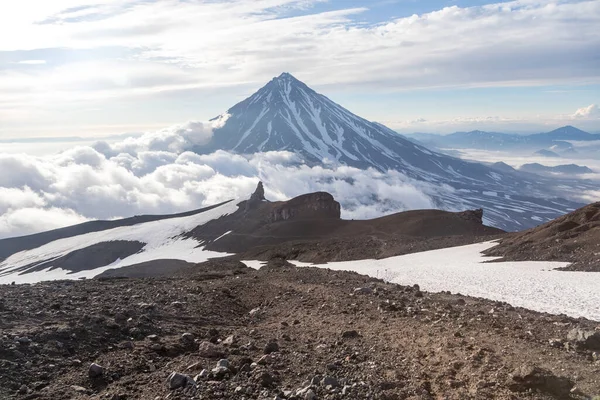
534 285
162 240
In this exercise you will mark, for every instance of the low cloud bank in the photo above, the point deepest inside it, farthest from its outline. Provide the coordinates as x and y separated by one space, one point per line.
153 174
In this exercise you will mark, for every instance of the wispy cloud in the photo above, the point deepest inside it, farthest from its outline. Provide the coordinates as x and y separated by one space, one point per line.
32 62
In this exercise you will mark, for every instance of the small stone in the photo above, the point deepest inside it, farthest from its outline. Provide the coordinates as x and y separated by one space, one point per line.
23 389
266 379
187 337
219 372
153 338
363 290
330 381
127 345
223 363
177 304
177 380
350 334
210 350
95 371
79 389
202 375
556 343
310 395
588 339
271 347
157 347
254 311
23 341
229 340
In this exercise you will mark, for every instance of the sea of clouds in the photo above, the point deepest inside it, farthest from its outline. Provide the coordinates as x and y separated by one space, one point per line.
155 174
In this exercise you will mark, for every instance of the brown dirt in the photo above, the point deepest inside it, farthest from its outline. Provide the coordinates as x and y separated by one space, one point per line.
383 342
573 238
357 248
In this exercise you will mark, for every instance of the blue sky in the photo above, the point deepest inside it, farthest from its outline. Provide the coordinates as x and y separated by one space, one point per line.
103 67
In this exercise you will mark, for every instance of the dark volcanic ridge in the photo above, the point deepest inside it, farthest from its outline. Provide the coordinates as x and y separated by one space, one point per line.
573 238
309 228
305 228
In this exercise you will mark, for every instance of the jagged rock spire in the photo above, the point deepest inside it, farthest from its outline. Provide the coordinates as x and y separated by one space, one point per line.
256 197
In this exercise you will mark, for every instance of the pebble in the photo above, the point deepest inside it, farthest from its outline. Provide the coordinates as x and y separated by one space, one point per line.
95 371
229 340
187 337
209 350
363 290
271 347
330 381
202 375
350 334
177 380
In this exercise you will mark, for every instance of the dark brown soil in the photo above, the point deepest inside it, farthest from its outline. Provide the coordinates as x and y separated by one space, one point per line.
254 234
573 238
357 248
368 338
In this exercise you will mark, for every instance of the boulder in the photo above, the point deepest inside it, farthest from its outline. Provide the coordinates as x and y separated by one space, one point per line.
587 339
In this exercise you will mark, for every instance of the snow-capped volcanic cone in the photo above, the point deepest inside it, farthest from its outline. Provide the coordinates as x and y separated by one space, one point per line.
287 115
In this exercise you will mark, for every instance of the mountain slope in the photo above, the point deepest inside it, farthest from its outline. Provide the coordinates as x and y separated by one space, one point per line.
288 115
231 227
574 237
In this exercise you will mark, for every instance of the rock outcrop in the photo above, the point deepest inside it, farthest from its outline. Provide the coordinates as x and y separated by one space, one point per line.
317 205
256 198
472 215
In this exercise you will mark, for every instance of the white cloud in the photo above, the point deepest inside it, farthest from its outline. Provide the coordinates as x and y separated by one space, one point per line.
32 62
150 174
246 42
590 112
26 220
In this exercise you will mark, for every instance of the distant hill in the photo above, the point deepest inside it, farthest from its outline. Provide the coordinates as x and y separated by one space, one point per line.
568 169
546 153
556 140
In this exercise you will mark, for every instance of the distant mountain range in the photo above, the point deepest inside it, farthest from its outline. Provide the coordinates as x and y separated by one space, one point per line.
557 141
287 115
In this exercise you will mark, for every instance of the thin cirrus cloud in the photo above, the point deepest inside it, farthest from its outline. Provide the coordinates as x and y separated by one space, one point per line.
590 114
182 46
154 174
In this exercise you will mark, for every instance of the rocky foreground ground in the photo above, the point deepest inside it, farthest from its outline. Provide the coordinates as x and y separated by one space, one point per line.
284 333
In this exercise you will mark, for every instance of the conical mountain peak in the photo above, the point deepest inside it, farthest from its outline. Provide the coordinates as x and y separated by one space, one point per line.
286 76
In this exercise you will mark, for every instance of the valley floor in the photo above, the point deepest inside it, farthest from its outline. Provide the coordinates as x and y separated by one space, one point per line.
338 335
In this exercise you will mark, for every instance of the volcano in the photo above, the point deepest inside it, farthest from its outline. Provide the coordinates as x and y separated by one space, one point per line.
287 115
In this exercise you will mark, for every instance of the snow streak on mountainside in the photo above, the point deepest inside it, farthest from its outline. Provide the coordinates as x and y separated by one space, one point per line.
90 254
287 115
